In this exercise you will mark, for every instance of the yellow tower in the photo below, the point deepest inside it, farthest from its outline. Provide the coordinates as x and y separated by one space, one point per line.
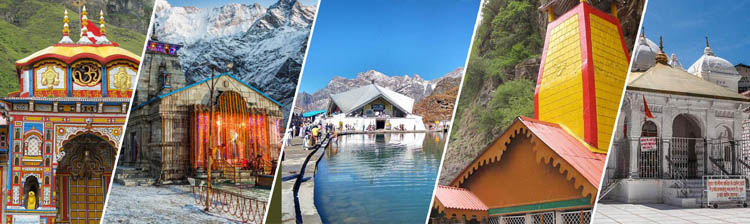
582 74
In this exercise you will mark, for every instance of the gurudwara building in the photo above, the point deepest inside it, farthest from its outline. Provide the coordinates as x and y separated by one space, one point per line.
373 107
171 123
547 169
60 131
676 127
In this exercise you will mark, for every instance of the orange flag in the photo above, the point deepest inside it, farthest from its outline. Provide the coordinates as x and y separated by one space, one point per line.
646 110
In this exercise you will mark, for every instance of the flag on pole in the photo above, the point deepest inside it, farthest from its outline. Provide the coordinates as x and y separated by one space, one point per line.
646 110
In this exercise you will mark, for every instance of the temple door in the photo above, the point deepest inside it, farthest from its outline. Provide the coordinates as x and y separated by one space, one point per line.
82 179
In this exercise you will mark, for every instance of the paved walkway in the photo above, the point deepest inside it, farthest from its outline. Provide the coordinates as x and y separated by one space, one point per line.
613 212
294 156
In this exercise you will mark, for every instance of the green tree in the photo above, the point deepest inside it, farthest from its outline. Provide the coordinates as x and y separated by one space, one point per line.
510 100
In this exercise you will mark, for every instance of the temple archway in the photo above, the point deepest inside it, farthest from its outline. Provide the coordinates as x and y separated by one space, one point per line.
686 133
82 178
31 192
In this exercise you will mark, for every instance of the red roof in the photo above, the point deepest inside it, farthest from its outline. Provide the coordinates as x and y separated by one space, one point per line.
459 198
572 150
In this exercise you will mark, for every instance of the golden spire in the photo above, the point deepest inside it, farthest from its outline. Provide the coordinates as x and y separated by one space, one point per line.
66 30
84 31
102 29
84 22
661 57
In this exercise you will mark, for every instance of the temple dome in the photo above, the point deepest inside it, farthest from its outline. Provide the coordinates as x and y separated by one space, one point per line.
645 54
710 63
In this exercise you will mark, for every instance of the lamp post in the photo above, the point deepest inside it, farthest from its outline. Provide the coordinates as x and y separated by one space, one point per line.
209 151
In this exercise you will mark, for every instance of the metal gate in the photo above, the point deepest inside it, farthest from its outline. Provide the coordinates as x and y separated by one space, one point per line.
650 157
686 157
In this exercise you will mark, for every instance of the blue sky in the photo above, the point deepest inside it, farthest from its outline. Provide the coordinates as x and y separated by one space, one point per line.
395 37
685 24
216 3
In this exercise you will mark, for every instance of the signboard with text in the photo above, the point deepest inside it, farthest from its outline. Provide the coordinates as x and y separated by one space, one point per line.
725 190
648 144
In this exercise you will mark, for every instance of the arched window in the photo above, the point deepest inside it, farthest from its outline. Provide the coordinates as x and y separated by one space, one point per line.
649 129
33 146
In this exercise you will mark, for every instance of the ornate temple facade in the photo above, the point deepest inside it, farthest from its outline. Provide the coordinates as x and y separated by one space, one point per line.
61 129
565 145
171 122
677 126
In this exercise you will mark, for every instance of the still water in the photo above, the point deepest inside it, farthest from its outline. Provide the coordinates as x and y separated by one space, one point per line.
378 178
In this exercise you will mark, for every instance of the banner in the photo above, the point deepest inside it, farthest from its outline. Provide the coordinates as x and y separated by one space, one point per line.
725 190
648 144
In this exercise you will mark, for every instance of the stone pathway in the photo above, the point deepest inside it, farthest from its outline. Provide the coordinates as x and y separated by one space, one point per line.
294 156
613 212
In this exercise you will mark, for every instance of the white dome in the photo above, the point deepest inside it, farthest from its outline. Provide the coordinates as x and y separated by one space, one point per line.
645 54
710 63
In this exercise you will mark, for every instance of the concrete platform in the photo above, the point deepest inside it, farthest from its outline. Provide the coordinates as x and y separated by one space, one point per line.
294 156
615 212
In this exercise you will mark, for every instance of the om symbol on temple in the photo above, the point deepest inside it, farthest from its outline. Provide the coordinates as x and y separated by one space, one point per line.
86 73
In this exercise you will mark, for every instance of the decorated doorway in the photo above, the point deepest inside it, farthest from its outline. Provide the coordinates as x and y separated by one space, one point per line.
82 178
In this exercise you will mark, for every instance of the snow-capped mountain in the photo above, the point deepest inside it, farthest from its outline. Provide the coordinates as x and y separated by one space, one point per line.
413 86
266 45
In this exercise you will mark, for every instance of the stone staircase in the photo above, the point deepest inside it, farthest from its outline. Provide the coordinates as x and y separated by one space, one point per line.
132 176
689 196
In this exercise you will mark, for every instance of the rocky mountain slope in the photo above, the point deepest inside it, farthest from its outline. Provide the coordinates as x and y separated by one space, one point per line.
266 45
413 86
32 25
438 106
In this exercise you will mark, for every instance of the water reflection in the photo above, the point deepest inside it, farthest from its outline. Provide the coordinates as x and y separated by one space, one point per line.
378 178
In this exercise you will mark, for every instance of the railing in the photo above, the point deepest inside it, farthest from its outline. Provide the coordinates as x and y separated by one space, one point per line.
295 189
650 158
680 179
563 217
610 185
244 208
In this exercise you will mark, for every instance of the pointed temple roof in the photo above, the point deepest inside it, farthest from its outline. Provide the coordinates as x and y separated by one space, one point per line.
356 98
665 79
159 97
67 51
581 158
459 198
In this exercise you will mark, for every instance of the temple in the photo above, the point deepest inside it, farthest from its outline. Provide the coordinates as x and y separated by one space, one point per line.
373 107
60 131
676 128
173 124
547 169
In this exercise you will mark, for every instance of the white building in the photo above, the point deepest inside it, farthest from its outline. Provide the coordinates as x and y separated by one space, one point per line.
373 107
696 130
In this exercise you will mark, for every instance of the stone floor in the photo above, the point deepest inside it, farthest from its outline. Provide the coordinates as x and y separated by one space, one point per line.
614 212
294 157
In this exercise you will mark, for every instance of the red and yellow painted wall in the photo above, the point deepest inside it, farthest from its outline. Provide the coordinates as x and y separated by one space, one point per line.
582 75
